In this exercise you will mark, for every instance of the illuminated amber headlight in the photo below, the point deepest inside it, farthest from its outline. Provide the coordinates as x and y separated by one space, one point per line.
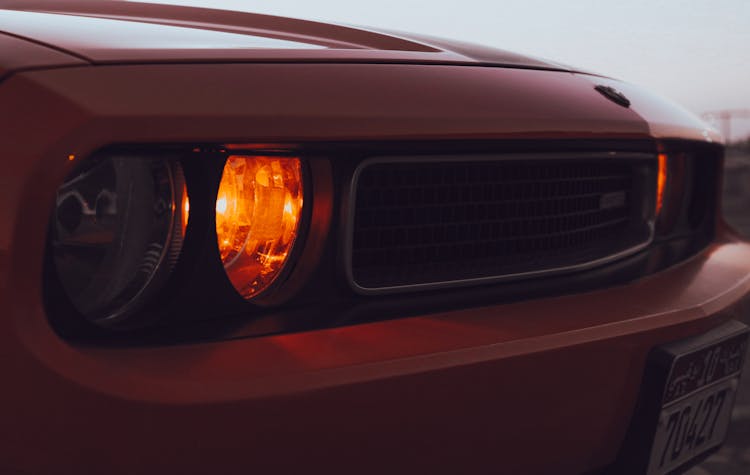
116 233
258 210
670 187
661 182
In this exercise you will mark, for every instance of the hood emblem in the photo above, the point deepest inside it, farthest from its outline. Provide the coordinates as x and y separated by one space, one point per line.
613 95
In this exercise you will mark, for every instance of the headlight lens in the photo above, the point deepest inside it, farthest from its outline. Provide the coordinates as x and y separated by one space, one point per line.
258 210
661 182
117 231
670 190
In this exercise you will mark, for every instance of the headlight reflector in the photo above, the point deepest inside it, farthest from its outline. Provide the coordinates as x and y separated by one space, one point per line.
258 210
116 233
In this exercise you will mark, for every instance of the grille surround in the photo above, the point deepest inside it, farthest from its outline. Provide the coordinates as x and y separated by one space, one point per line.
641 203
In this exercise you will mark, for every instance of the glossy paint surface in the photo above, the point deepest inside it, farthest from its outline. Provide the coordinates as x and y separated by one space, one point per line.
84 34
483 386
665 119
106 32
20 55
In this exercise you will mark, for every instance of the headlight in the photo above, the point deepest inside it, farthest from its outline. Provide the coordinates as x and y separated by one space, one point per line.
117 231
258 210
670 190
661 182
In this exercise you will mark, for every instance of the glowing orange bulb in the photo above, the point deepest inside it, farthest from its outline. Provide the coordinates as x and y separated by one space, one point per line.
258 206
185 211
661 182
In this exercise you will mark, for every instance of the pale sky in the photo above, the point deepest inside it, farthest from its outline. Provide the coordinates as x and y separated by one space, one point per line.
695 52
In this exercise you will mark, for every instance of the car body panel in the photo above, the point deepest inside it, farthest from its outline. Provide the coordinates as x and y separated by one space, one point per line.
133 34
665 118
17 54
364 389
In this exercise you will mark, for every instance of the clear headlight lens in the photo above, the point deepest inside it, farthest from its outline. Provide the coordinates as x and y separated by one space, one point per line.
258 210
117 231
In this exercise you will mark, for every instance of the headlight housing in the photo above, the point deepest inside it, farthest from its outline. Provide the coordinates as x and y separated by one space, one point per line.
121 254
116 232
670 197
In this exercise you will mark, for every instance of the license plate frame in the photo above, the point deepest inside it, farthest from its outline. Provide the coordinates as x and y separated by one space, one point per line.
679 375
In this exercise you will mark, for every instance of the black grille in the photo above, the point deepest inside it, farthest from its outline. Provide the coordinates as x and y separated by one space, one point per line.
426 222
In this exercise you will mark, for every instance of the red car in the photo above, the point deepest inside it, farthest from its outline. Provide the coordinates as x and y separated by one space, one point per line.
235 243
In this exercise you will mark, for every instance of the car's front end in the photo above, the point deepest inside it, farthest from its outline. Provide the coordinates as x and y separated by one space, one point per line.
480 264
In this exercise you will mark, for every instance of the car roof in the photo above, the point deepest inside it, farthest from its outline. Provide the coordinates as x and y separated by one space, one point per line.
106 32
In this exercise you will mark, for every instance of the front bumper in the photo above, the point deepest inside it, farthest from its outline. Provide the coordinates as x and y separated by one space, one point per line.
539 386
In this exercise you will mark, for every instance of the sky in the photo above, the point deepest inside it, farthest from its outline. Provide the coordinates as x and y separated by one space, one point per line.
694 52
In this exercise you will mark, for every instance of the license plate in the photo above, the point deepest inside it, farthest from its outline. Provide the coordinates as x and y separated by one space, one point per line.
697 398
692 426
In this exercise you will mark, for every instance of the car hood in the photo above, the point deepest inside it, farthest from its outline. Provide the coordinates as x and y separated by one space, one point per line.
106 32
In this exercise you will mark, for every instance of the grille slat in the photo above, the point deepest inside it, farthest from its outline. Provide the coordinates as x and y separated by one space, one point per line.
422 222
393 222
